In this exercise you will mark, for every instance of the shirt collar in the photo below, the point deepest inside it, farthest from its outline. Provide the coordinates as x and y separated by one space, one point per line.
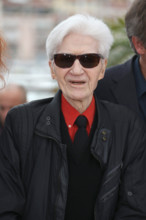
70 113
139 79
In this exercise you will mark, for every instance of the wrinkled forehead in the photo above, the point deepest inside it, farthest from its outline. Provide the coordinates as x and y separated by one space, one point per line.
77 43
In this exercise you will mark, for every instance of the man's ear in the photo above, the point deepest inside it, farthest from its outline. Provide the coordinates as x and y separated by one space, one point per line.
104 64
52 69
138 45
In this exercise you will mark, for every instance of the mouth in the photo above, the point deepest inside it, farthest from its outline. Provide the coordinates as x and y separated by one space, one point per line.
77 82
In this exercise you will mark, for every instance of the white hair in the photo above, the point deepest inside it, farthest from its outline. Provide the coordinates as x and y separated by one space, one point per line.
84 24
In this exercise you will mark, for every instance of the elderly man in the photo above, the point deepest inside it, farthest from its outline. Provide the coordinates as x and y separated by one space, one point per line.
126 83
73 157
10 96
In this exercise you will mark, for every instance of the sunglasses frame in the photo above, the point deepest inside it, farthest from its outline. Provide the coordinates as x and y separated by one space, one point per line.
81 59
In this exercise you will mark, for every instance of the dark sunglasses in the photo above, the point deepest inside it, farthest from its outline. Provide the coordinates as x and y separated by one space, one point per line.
89 60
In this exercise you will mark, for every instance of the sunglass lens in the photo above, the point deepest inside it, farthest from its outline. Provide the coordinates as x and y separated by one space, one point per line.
63 60
89 60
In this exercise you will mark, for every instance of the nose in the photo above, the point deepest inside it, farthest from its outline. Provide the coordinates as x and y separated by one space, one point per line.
77 68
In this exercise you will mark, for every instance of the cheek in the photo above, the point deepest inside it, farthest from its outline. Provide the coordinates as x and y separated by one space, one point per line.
55 73
92 83
60 78
94 77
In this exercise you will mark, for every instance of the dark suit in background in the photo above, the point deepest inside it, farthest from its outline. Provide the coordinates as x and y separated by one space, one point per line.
126 83
118 85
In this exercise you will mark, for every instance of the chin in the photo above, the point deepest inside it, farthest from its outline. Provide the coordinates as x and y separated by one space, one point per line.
78 97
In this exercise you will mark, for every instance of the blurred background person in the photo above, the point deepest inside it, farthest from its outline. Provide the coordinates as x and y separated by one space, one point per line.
10 96
126 83
3 68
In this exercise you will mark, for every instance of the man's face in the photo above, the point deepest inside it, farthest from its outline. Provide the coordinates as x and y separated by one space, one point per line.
77 82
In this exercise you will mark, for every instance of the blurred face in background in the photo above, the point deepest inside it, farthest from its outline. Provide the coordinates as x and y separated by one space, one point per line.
8 99
3 68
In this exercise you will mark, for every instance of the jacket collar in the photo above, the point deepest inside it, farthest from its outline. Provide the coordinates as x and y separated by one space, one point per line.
125 79
49 121
48 126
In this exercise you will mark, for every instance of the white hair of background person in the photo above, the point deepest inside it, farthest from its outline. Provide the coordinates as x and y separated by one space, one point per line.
81 24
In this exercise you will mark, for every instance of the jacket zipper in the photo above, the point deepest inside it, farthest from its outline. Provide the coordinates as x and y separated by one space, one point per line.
59 183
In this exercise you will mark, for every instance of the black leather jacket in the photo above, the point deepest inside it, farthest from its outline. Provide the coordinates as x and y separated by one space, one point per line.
34 169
